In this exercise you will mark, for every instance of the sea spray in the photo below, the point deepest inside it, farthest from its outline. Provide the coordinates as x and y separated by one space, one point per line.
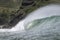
19 26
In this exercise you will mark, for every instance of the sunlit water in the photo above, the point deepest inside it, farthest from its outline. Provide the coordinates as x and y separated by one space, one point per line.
42 24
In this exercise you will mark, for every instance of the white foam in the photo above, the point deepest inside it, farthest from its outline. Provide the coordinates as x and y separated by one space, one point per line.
19 26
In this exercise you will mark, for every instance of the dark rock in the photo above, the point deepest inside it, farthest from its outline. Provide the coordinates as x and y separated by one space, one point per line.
26 3
2 21
44 0
15 20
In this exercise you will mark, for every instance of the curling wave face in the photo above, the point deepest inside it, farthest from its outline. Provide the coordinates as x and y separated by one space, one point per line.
42 24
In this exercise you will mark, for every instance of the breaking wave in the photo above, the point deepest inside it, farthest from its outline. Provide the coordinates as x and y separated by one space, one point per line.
42 24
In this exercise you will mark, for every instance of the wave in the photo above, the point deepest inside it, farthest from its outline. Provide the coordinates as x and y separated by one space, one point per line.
43 12
42 29
43 21
40 13
42 24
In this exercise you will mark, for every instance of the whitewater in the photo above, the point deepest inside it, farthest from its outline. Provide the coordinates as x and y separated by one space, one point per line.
42 24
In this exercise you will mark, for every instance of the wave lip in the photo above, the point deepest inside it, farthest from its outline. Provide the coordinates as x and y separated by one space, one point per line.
43 12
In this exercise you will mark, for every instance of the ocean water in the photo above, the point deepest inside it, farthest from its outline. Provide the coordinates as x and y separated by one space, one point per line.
42 24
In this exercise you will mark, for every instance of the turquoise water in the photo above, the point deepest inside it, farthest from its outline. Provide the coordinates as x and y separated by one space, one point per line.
42 24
